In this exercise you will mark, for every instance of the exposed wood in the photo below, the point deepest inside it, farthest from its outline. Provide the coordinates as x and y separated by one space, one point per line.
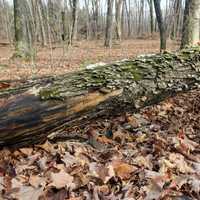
32 109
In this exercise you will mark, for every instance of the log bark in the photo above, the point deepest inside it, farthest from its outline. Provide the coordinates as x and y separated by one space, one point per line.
33 109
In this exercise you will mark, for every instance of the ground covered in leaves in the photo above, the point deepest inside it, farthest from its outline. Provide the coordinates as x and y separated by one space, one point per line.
154 154
60 59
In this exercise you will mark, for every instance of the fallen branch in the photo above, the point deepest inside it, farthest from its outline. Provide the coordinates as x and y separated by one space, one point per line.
31 110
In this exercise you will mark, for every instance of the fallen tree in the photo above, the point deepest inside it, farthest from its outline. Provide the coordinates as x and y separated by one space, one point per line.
32 109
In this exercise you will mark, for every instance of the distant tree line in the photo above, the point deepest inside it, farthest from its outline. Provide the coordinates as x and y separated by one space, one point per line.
42 22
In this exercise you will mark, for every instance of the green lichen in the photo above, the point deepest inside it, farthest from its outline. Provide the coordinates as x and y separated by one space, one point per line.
51 93
132 71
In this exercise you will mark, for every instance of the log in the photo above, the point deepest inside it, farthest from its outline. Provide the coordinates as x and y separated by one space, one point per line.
31 110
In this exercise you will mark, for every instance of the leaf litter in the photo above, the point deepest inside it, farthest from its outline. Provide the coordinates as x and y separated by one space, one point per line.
154 154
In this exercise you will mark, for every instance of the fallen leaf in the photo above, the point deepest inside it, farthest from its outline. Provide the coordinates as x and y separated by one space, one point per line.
123 170
36 181
61 180
25 192
47 146
26 151
179 161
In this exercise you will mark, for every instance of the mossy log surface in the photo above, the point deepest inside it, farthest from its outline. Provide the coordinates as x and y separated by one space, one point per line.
32 109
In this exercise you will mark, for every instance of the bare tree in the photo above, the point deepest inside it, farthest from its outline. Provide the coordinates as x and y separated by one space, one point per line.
95 16
150 2
141 15
128 15
161 25
176 19
22 39
74 7
41 22
109 24
118 17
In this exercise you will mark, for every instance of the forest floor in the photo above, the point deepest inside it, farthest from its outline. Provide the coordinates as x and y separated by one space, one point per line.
61 60
151 155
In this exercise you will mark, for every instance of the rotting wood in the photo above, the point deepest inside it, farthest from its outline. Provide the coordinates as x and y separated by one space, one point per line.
33 109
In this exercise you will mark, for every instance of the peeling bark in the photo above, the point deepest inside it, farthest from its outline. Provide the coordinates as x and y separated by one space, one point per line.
33 109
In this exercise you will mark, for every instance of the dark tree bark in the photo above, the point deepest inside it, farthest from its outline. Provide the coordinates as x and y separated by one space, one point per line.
31 110
161 25
64 26
74 6
109 24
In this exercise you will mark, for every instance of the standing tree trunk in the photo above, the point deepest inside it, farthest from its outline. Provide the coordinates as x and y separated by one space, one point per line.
87 20
191 24
161 25
150 2
109 24
64 26
74 31
95 15
7 22
141 16
22 47
175 26
118 17
123 18
128 15
41 22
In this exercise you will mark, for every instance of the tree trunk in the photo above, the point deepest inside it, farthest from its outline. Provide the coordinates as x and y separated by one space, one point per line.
150 2
22 47
118 18
161 25
31 110
176 18
191 24
95 16
128 15
109 24
64 26
87 20
141 16
74 20
41 23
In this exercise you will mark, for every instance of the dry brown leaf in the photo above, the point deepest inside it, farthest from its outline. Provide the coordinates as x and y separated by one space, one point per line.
26 151
195 183
25 192
61 180
36 181
144 161
100 171
123 170
47 146
132 121
180 163
183 143
152 192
